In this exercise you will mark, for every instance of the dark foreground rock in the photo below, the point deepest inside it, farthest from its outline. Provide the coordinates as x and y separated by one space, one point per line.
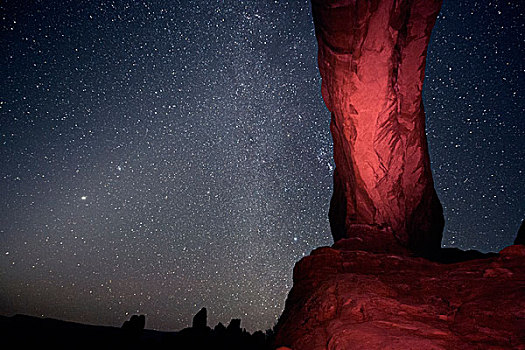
382 297
27 332
200 320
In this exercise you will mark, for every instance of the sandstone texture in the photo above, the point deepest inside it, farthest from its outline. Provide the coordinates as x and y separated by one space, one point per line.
386 283
372 59
382 298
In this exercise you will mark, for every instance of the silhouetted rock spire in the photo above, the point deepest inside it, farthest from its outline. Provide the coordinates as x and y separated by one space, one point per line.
219 328
200 320
135 325
234 326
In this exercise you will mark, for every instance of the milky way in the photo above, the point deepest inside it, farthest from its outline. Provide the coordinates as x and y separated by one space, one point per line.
162 156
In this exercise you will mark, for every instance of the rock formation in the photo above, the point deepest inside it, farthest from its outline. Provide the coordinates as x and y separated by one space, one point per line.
372 58
346 298
200 320
234 326
135 325
386 283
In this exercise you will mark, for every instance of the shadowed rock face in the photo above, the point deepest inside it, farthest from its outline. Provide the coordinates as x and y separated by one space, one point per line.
372 57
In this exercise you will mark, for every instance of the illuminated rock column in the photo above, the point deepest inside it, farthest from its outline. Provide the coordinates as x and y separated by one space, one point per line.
372 61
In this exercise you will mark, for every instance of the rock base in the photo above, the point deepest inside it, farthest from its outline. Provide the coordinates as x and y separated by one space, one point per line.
357 296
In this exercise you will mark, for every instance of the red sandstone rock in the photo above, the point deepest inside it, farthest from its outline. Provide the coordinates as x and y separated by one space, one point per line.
369 290
355 299
372 58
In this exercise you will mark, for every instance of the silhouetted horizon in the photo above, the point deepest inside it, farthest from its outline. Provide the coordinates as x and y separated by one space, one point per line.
27 330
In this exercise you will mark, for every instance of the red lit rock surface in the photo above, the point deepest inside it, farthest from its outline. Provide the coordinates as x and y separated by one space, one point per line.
372 60
379 298
371 290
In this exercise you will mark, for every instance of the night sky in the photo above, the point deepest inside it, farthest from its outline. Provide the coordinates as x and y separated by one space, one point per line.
161 156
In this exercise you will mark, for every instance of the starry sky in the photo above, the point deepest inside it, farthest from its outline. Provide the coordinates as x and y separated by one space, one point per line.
160 156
